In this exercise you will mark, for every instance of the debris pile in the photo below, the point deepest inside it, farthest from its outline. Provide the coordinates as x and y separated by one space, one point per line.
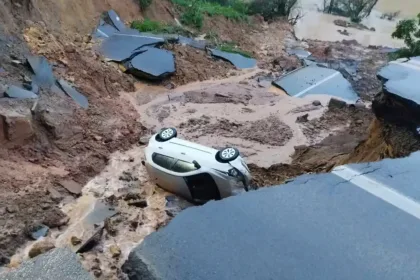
43 78
140 53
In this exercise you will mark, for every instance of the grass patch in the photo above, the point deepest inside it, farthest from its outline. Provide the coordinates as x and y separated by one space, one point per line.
193 10
157 27
232 48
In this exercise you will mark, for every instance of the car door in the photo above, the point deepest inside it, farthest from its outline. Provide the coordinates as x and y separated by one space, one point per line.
167 177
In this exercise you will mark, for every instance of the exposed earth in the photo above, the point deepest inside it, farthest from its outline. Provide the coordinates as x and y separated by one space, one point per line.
59 160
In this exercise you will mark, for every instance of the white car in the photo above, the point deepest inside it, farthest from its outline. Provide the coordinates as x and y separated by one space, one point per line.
193 171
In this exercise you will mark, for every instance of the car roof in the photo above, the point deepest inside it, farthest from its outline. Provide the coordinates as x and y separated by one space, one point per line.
188 151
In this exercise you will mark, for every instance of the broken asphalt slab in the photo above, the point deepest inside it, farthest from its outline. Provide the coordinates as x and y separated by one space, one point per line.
104 30
317 80
44 76
115 19
56 264
77 96
120 47
19 93
152 63
239 61
342 225
400 69
89 227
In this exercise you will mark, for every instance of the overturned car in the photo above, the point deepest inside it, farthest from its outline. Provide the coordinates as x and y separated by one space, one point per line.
193 171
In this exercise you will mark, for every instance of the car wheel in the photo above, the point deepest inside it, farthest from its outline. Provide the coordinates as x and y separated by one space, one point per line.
167 134
227 154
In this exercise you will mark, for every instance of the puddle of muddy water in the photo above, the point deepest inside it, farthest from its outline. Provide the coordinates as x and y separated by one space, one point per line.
320 26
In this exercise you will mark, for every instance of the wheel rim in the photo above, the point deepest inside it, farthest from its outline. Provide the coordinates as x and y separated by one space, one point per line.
228 153
167 133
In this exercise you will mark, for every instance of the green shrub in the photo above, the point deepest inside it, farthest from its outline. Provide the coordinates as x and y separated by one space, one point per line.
356 10
193 10
409 31
147 25
144 4
271 9
152 26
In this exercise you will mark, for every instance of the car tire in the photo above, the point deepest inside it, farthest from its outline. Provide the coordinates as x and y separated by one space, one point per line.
167 134
227 154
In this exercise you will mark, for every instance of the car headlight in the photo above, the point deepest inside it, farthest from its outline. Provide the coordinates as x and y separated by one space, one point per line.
235 173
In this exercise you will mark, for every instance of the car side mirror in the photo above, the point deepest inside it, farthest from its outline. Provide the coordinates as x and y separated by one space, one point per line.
196 164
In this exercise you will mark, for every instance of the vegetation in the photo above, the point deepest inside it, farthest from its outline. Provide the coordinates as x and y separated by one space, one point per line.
194 10
356 10
144 4
409 31
157 27
271 9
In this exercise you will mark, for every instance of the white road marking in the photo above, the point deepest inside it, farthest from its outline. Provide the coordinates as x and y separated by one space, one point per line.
379 190
316 84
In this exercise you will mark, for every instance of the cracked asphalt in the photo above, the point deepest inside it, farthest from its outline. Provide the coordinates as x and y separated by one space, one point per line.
365 226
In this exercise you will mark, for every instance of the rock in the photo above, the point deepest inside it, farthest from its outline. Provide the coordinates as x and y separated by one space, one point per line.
170 85
41 247
58 263
115 251
359 122
92 241
302 119
316 103
342 23
244 82
336 103
87 39
16 127
12 209
128 177
69 49
3 211
144 140
372 29
54 194
38 231
138 203
74 240
71 186
264 84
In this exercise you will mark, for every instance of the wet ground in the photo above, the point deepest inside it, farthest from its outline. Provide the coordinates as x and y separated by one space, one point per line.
320 26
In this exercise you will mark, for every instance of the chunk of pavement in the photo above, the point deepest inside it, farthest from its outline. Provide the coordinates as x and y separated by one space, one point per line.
115 20
317 80
71 186
54 194
20 93
41 247
44 76
121 47
152 63
302 119
59 263
336 103
104 30
38 231
239 61
77 96
88 229
285 243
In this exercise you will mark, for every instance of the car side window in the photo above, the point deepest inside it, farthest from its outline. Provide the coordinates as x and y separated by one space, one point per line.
183 166
163 161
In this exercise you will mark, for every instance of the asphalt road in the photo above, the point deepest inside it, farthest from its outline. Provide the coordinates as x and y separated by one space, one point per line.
358 222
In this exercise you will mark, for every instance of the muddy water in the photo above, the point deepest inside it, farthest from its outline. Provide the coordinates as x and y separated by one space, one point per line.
316 25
